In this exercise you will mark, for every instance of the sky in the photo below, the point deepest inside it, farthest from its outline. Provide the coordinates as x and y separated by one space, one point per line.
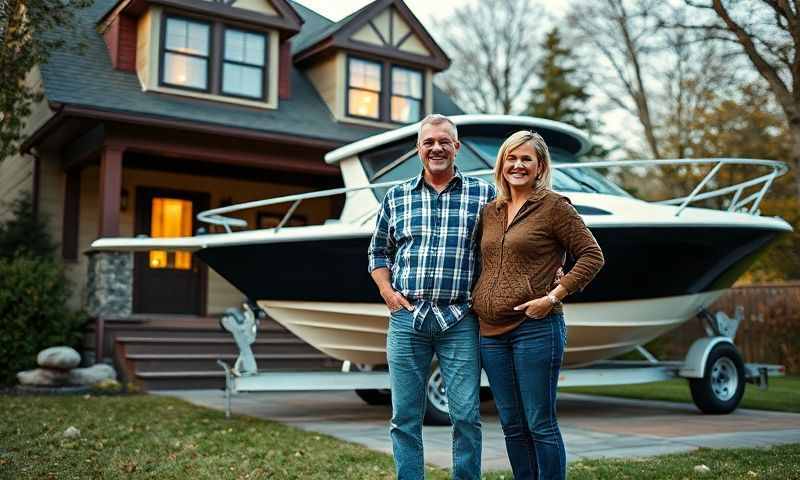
424 10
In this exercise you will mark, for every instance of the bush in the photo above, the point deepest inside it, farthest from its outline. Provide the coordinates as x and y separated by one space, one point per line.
25 233
33 313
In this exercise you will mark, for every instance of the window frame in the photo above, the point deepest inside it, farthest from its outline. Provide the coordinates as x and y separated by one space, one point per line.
380 92
264 69
385 94
215 61
162 53
421 99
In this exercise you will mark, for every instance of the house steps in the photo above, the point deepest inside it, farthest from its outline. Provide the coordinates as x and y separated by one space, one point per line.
181 352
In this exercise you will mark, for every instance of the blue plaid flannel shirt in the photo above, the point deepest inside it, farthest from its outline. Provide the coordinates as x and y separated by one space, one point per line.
427 240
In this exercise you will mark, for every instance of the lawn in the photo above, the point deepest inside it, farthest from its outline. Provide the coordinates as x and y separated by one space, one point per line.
141 436
782 395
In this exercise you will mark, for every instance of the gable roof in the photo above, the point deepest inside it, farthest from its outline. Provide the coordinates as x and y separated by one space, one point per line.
86 79
339 34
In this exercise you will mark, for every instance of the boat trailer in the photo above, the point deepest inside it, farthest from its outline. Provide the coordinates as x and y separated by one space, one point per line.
713 367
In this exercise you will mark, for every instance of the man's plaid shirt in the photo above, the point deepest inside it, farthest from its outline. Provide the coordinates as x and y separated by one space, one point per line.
427 240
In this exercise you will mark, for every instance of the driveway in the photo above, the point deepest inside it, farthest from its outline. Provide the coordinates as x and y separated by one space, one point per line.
592 426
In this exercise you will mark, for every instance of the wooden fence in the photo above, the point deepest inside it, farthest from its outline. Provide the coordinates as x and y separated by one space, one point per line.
769 333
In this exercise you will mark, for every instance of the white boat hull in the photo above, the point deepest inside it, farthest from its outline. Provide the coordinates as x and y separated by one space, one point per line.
356 332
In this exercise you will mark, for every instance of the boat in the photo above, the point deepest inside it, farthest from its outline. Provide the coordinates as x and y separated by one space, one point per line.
665 261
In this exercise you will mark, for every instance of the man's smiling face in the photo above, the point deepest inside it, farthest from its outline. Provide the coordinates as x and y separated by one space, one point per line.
437 148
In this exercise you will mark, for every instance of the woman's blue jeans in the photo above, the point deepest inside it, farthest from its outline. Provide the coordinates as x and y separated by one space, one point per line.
410 352
523 366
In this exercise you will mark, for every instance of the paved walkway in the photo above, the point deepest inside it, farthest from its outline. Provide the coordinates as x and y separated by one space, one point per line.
592 426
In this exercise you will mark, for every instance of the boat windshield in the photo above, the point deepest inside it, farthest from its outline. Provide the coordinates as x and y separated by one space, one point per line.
399 160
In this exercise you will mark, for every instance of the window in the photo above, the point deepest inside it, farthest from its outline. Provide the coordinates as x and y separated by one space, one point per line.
186 54
170 217
243 64
368 83
213 58
364 88
406 105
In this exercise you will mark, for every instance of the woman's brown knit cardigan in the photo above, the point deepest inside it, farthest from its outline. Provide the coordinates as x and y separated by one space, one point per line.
519 261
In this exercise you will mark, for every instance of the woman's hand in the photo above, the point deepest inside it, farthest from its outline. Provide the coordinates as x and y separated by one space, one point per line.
537 308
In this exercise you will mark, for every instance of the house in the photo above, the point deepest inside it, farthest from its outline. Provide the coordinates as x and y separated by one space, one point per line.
176 106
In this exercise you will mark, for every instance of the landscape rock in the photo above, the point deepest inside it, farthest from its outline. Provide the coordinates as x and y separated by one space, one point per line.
702 469
92 375
58 357
43 376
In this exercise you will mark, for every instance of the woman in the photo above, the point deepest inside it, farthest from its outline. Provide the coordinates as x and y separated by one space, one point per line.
524 236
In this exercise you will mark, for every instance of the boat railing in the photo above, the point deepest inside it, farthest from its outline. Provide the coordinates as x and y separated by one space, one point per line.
748 204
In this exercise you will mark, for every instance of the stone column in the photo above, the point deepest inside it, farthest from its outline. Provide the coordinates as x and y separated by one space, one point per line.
109 285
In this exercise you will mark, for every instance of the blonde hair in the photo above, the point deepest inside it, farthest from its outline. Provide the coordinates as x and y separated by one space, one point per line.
544 179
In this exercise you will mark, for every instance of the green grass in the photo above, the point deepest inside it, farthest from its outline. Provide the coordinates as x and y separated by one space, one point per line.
141 436
782 395
778 463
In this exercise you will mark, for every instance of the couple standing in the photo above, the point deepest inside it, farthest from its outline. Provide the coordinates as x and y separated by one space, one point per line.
434 235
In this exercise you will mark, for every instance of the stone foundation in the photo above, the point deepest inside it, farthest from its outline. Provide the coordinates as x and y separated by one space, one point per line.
109 285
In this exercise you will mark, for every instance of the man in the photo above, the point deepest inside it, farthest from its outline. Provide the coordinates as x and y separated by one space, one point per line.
423 259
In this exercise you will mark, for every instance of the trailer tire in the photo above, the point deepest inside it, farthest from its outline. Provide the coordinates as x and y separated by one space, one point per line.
436 408
722 386
375 396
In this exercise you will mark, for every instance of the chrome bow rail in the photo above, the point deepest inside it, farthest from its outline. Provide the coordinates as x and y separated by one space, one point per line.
217 216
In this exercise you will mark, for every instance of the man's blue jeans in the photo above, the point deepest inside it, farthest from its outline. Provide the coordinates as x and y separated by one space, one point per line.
522 366
410 353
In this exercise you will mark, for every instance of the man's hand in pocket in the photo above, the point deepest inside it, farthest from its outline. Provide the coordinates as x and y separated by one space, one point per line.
395 300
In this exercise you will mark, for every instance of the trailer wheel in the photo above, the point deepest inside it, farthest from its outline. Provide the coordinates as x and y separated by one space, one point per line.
436 411
374 396
722 387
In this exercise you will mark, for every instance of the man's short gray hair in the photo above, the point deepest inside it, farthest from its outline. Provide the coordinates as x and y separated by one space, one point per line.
437 119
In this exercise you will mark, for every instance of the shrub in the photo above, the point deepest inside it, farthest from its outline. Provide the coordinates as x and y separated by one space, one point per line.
25 233
33 313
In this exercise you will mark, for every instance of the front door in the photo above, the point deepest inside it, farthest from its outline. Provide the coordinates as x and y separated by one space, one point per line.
167 281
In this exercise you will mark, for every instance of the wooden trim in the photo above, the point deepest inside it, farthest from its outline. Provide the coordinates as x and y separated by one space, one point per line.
222 11
193 126
285 71
71 215
342 38
110 190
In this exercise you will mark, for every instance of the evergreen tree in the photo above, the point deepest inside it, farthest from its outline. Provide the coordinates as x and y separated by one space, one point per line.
561 94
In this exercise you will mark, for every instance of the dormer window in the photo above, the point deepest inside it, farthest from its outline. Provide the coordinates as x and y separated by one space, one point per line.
234 64
367 95
186 54
364 88
244 65
406 105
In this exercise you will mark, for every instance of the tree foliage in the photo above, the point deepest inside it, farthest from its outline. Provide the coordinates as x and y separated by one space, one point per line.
491 43
562 93
767 34
25 233
25 26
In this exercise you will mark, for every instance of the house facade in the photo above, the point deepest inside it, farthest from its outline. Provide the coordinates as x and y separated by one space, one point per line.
176 106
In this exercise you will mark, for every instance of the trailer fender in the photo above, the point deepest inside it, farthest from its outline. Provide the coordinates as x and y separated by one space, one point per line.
695 363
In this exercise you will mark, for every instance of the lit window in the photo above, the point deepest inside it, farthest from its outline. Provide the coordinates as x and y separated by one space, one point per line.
170 217
406 104
186 52
243 63
364 88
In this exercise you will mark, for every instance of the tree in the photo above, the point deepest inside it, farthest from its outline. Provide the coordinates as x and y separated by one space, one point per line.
25 26
562 94
767 33
621 36
491 44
